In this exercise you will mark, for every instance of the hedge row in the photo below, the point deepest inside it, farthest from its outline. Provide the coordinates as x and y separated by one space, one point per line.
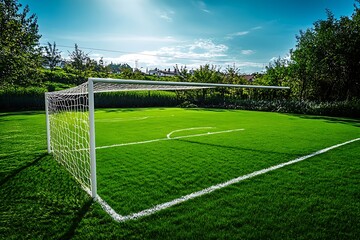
33 99
336 109
136 99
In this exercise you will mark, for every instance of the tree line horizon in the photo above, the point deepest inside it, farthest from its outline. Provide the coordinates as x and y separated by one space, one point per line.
323 66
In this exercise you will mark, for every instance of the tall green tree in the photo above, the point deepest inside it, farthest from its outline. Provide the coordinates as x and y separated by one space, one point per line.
278 73
52 56
207 74
20 53
118 68
81 62
183 74
232 76
327 59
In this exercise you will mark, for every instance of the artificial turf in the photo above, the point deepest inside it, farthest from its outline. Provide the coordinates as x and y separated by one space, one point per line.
314 199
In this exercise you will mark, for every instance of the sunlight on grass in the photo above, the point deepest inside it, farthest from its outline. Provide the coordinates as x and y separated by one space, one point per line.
317 198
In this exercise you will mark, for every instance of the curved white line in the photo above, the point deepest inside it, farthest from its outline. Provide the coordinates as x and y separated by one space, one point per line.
186 129
165 139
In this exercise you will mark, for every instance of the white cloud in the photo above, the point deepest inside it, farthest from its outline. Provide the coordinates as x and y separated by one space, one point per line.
192 54
202 6
195 53
257 28
241 33
206 10
251 64
286 59
95 56
167 15
237 34
247 52
207 46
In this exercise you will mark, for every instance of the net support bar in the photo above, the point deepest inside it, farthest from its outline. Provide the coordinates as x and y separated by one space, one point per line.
92 139
47 123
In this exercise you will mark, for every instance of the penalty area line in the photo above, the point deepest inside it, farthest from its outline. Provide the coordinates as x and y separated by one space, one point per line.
159 207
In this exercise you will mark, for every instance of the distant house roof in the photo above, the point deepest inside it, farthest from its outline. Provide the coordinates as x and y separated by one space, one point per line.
249 78
166 72
152 72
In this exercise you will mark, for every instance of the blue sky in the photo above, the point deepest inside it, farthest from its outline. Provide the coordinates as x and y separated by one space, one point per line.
162 33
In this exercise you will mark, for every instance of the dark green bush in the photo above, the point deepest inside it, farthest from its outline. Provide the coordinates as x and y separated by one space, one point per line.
61 76
136 99
20 98
336 109
187 104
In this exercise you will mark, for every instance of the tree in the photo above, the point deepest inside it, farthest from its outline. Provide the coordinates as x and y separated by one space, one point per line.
118 68
183 74
20 53
232 75
278 73
52 56
81 62
206 74
327 59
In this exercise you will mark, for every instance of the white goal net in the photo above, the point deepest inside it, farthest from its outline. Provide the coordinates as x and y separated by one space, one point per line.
68 123
71 126
68 131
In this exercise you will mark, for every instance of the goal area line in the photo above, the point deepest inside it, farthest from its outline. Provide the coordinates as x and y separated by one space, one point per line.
119 218
168 137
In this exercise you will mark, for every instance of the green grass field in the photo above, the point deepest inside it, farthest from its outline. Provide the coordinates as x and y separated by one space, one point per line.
151 156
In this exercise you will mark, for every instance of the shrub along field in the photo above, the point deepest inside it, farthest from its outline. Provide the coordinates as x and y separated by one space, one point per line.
316 198
32 98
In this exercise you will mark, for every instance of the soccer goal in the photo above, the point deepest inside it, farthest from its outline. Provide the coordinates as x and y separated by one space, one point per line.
71 123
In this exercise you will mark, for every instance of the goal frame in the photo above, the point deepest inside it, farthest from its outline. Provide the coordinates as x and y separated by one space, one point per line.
91 110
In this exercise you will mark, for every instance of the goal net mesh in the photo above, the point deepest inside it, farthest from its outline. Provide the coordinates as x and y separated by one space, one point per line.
69 124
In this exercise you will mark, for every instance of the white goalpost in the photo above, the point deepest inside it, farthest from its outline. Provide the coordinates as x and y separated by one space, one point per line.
70 121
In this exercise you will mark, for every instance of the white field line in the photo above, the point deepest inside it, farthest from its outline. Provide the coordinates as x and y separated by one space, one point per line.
186 129
208 190
129 119
166 139
122 119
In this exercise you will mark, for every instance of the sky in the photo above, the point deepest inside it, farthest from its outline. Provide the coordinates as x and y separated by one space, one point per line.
247 34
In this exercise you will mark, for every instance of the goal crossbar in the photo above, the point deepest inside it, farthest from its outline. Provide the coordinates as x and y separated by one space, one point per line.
188 84
71 111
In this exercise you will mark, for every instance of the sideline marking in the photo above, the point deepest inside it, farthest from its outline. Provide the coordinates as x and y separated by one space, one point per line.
168 138
159 207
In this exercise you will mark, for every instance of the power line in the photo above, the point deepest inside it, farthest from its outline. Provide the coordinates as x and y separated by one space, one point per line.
154 55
